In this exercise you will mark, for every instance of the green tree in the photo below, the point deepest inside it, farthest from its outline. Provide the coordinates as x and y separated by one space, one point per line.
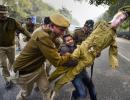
66 12
21 9
99 2
113 9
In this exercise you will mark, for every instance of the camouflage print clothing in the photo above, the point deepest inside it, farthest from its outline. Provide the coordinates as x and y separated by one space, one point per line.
102 37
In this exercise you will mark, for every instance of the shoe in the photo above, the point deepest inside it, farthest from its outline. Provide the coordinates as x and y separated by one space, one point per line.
8 85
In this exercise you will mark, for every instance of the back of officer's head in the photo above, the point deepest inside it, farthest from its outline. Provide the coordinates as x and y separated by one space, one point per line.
88 26
29 20
46 21
89 23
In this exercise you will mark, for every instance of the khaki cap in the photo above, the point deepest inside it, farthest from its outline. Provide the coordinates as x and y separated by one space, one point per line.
125 9
3 9
60 20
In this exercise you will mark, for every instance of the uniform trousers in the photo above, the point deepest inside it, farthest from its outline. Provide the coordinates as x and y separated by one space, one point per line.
7 57
27 81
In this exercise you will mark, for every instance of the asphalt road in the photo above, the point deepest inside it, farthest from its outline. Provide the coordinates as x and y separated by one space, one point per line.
110 84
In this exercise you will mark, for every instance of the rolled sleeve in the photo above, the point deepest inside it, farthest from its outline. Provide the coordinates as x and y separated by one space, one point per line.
113 54
24 31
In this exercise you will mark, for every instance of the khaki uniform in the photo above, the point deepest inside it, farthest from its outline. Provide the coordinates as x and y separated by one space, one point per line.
39 48
7 43
102 37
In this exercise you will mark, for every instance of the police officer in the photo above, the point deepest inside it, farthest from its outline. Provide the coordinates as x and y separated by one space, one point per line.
81 34
8 27
102 37
41 46
29 25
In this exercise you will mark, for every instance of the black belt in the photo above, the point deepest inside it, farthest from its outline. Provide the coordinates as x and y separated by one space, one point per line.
23 72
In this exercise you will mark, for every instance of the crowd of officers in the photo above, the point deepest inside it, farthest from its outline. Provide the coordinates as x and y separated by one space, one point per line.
52 44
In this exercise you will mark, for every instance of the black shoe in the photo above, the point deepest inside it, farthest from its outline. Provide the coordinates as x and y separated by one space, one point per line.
8 85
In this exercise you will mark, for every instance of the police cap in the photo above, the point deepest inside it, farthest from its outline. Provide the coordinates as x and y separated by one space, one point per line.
59 20
126 9
3 9
89 23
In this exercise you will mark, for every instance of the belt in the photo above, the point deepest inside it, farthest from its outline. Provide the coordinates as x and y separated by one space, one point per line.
23 72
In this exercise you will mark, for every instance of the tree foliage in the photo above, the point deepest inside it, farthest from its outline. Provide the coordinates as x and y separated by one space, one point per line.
113 9
100 2
21 9
66 12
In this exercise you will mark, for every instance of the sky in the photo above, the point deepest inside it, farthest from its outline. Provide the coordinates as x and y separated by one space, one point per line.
80 11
